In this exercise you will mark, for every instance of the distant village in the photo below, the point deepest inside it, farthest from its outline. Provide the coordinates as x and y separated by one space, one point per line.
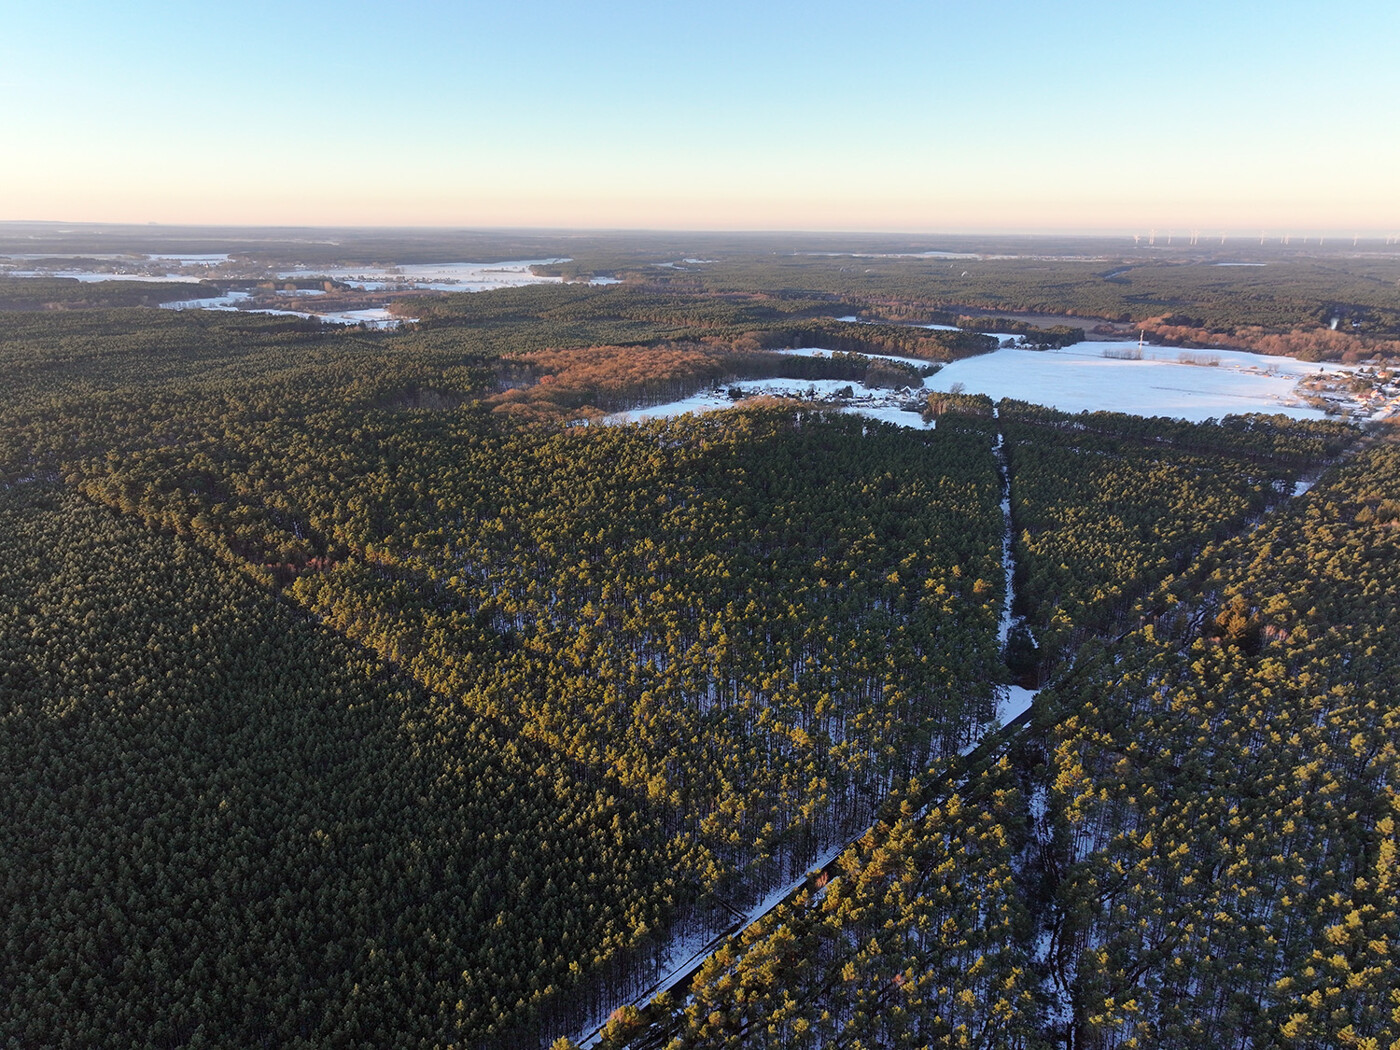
1372 392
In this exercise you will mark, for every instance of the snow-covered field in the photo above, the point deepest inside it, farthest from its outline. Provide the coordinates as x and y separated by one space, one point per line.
437 277
1081 378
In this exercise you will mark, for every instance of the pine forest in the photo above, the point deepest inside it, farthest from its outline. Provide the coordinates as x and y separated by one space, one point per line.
389 687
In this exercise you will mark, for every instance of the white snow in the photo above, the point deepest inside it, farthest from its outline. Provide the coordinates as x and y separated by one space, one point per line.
1012 700
781 893
890 414
1081 378
881 404
705 401
1017 700
1008 565
440 277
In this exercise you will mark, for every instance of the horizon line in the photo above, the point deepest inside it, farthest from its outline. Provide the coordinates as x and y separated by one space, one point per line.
1155 236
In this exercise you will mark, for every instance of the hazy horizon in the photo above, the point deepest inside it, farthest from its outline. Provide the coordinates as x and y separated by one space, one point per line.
1142 237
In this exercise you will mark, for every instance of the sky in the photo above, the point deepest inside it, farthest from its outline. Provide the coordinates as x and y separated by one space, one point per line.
932 116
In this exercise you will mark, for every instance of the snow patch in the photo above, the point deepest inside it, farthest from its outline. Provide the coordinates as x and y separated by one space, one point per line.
1016 702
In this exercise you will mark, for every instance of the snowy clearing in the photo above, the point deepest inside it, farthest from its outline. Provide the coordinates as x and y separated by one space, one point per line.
1081 379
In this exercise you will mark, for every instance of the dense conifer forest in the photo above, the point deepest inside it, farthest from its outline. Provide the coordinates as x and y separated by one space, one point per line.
372 688
1195 845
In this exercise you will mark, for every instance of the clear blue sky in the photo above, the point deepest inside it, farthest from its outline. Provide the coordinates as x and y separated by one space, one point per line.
989 115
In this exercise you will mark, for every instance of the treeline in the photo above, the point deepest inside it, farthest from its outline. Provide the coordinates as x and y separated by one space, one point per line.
1252 437
666 311
68 293
1105 506
1291 291
1053 337
773 320
1306 344
874 338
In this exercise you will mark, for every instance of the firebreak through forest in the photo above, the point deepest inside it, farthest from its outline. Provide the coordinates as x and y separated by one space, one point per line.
365 689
